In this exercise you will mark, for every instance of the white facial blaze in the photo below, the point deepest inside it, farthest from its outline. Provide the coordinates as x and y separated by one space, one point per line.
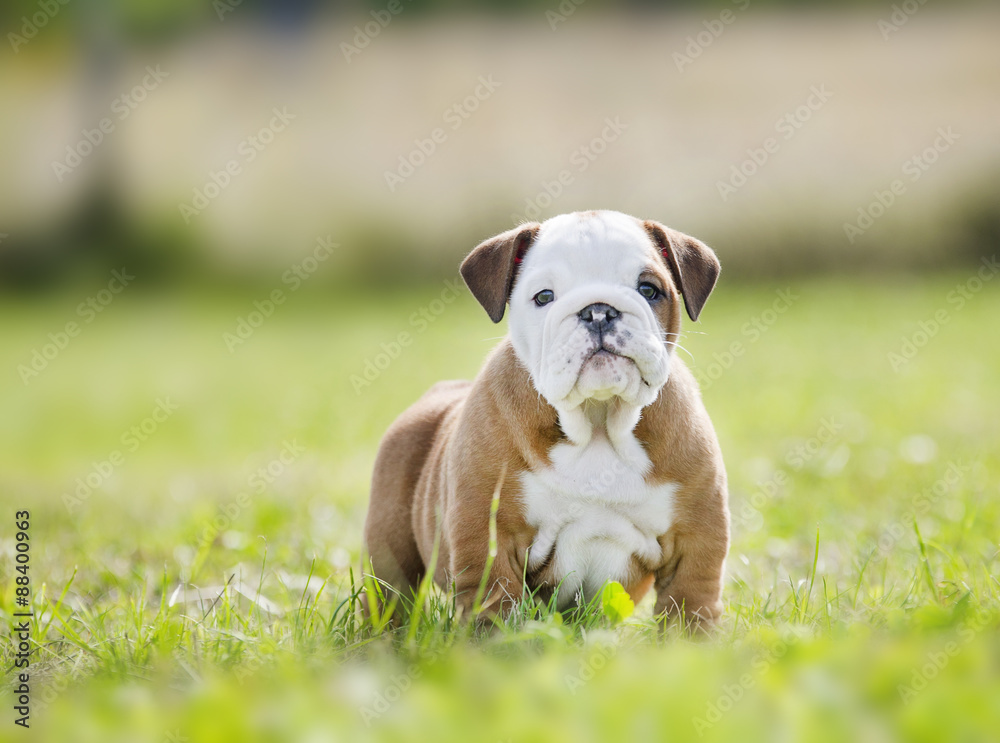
586 260
593 509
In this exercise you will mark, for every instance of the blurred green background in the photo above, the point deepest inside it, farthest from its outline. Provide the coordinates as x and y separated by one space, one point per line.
198 358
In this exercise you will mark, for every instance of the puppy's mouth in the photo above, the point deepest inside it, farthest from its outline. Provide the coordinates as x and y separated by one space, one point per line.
605 351
605 373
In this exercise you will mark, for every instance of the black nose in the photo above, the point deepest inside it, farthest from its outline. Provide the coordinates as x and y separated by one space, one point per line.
599 317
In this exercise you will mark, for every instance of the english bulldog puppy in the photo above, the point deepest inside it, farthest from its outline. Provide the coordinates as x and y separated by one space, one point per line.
583 419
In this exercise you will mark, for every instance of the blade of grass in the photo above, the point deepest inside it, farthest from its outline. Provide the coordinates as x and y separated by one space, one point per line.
477 605
924 562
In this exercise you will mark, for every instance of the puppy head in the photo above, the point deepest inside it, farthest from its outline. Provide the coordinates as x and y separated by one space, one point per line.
595 301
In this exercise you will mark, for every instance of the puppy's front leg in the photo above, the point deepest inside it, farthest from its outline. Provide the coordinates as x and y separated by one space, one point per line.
469 559
690 579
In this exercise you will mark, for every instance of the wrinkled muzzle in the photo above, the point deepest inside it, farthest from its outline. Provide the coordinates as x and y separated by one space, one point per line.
600 343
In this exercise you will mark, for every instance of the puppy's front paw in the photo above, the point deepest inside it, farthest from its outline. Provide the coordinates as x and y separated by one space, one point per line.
700 615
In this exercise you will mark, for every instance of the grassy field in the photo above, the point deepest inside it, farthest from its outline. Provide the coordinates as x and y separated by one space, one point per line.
198 588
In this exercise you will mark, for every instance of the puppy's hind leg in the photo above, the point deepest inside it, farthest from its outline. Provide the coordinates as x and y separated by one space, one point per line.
392 568
392 552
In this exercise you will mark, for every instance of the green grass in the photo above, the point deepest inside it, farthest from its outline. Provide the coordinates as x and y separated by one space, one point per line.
830 453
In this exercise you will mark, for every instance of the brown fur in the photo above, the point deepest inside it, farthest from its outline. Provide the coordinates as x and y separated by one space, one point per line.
441 461
490 269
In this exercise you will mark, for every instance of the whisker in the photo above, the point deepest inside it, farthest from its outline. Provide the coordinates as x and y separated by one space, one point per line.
678 345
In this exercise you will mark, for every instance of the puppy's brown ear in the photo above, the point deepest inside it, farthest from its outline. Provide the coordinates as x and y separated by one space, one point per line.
490 269
692 263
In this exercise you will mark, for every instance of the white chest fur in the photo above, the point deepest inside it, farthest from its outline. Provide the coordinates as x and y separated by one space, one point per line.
593 512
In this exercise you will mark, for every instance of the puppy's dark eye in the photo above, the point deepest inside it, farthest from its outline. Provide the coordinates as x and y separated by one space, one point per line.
544 297
649 291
